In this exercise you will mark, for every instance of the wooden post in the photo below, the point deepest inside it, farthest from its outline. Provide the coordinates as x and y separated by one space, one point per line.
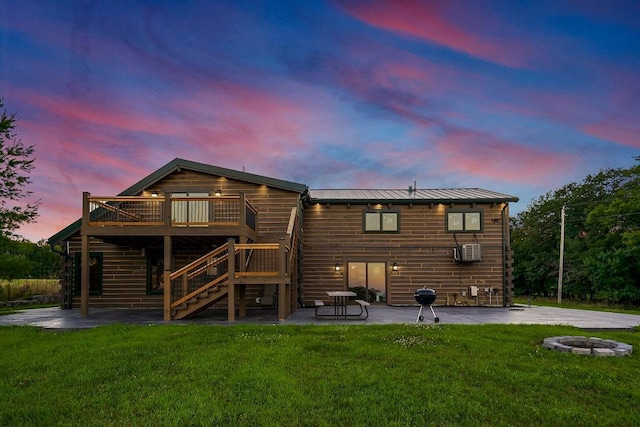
84 257
231 299
84 277
167 210
243 212
282 286
167 281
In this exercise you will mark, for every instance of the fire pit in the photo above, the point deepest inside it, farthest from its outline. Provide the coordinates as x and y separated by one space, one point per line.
588 346
425 297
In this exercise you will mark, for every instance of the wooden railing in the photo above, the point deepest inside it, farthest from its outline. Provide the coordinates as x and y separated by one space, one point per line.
251 261
207 211
202 274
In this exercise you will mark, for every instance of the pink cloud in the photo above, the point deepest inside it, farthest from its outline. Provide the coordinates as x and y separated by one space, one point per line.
101 114
480 154
619 133
429 21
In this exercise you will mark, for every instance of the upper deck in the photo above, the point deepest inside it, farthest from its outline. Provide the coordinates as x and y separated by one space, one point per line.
169 216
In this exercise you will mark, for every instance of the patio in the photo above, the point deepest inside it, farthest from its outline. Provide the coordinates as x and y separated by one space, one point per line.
56 318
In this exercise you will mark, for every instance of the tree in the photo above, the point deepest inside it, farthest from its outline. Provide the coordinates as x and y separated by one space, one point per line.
602 239
15 165
22 259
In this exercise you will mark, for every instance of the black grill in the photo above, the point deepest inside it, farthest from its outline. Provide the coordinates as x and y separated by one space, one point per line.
425 297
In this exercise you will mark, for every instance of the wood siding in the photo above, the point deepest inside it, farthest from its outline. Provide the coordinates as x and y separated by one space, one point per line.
422 249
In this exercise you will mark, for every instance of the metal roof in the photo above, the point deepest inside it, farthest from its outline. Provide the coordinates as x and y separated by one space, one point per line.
469 195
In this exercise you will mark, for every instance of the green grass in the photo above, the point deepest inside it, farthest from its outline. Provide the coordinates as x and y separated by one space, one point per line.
311 375
580 305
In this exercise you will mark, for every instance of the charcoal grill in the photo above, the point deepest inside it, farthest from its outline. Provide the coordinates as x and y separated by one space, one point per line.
425 297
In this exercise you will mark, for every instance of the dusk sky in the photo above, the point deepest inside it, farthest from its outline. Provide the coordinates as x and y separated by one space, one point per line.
513 96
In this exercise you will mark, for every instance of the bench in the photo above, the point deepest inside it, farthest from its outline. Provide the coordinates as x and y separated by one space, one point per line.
318 303
363 307
363 311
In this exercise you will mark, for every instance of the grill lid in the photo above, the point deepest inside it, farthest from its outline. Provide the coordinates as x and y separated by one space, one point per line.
425 296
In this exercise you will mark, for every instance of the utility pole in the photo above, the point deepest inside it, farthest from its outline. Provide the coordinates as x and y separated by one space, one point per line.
561 262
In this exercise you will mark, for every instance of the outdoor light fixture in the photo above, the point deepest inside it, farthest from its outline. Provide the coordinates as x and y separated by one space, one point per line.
394 266
218 192
154 194
337 267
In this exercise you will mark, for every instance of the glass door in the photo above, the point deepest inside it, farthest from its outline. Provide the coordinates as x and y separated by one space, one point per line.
368 280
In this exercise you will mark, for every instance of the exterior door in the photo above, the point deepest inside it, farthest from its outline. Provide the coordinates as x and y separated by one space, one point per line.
368 280
190 213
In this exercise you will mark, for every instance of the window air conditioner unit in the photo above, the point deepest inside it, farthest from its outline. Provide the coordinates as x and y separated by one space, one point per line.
468 253
471 252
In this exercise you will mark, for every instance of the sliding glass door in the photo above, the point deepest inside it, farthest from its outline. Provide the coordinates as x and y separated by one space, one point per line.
368 280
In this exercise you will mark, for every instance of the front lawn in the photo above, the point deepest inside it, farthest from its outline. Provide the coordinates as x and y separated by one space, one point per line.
312 375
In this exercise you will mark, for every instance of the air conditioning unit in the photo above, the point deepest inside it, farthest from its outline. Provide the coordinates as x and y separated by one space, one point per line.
471 252
468 253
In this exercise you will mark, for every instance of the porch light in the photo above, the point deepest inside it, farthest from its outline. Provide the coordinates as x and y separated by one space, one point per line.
218 192
337 266
394 266
154 194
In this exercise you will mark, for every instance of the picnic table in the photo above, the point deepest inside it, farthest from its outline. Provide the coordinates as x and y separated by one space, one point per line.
340 303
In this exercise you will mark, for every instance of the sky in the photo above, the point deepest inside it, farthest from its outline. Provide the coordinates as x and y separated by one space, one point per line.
519 97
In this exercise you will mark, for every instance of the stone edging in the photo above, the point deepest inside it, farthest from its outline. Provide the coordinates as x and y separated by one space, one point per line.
590 346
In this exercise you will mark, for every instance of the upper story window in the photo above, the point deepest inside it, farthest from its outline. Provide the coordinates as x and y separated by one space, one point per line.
381 222
464 221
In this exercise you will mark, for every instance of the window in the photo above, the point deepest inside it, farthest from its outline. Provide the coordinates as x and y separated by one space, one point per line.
381 222
464 221
95 274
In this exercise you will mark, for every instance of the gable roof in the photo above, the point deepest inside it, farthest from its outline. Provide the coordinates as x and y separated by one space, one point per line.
446 195
176 165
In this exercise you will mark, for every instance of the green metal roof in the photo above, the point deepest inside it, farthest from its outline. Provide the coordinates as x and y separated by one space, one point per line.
178 164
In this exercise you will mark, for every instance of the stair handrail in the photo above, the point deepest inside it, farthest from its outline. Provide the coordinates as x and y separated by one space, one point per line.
203 258
217 281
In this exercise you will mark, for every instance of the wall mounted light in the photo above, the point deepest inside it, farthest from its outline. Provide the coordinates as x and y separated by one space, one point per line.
394 266
218 192
495 221
337 266
154 194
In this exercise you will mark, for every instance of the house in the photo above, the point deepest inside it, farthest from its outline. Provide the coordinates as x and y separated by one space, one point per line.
191 235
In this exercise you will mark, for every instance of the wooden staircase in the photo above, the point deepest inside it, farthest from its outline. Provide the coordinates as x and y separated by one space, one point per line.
200 284
214 276
213 292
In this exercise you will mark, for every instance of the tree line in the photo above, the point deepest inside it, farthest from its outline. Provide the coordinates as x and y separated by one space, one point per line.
602 240
22 259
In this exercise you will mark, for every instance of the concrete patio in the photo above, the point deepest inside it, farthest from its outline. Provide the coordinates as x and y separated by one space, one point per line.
57 318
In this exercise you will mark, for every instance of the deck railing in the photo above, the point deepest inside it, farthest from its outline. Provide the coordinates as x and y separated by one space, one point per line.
250 261
206 272
204 211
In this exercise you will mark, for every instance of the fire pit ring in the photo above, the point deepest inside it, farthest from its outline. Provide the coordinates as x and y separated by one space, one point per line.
588 346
